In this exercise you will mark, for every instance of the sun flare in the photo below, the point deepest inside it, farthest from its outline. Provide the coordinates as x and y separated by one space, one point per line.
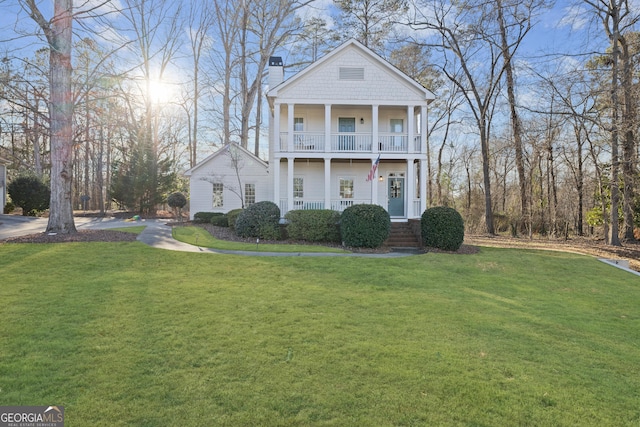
160 92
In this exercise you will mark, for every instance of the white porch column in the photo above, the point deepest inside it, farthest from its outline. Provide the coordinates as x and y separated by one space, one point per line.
276 128
275 169
327 128
411 187
423 186
374 128
423 129
411 129
327 183
290 111
290 161
374 181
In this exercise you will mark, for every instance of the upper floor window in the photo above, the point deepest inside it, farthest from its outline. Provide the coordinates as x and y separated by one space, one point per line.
397 126
298 124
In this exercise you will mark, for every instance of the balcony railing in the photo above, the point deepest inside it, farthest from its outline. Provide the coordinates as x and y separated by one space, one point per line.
351 142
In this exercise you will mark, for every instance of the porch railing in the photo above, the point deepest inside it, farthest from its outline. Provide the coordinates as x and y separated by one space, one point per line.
338 205
350 142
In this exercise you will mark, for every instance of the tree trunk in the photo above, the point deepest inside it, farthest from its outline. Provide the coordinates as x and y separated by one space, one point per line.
488 212
58 33
515 120
628 143
615 239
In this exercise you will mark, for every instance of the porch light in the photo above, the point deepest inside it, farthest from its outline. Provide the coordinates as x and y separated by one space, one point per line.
361 120
380 178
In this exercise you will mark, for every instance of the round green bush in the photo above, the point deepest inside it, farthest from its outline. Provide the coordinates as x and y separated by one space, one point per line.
443 228
30 193
232 217
221 220
177 200
259 220
365 226
204 217
314 225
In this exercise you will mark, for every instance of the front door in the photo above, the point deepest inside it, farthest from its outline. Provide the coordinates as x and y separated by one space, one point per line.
396 196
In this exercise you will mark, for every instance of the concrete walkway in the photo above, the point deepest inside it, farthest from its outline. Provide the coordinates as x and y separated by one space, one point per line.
156 234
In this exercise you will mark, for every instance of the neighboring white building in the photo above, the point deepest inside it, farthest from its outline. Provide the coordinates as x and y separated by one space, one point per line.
3 183
227 179
349 129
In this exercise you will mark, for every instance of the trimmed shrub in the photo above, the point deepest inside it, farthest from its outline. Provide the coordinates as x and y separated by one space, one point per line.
221 220
442 228
9 207
204 217
259 220
365 226
177 200
314 225
30 193
232 217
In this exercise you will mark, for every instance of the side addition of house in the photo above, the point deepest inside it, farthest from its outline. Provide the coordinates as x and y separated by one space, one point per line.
230 178
349 129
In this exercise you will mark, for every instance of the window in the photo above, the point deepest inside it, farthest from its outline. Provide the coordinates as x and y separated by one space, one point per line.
397 126
298 187
298 137
249 194
346 188
218 200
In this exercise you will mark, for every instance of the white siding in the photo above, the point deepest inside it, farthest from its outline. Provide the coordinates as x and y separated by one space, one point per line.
378 84
218 169
313 174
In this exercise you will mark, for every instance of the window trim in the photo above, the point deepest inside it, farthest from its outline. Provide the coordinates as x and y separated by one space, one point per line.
343 195
214 193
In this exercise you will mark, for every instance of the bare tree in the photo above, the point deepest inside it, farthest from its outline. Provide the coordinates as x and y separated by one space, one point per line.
200 21
370 21
515 20
58 32
618 17
464 42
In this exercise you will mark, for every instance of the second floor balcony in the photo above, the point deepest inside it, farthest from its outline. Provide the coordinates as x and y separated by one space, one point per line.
349 142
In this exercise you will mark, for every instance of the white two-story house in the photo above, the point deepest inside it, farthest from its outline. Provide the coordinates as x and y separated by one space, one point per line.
349 129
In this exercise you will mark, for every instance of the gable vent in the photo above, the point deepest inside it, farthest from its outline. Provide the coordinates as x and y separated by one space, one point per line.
351 73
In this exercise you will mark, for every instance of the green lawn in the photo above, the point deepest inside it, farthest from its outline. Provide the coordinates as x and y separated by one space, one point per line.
122 334
200 237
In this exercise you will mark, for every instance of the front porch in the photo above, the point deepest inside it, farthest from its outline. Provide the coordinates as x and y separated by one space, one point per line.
340 205
336 184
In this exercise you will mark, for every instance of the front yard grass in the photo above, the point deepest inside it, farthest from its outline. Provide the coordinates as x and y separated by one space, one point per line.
200 237
122 334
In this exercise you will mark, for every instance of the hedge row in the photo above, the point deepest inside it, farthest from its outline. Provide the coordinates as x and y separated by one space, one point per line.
358 226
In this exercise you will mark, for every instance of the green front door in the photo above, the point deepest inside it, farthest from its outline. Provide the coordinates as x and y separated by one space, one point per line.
396 196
